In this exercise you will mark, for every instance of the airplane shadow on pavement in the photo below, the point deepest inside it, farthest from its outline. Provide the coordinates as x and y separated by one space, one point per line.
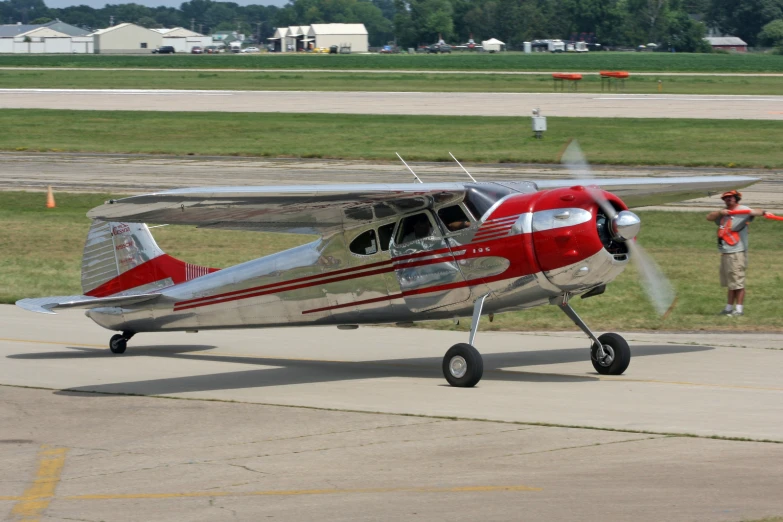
283 371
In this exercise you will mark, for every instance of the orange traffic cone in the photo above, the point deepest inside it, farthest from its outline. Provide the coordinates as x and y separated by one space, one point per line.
50 198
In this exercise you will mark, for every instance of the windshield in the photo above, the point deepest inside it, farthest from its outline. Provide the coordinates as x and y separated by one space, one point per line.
480 197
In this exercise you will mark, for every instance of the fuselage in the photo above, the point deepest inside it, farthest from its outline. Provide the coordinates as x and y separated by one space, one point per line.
522 251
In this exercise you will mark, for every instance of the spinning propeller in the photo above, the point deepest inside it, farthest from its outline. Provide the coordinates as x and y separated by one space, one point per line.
623 227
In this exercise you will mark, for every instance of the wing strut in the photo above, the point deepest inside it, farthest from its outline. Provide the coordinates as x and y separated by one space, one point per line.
403 162
463 168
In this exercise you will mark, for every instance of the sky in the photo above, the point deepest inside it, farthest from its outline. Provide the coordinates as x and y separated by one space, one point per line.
149 3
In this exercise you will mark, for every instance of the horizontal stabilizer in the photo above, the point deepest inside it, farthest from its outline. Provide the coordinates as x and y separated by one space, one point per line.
45 305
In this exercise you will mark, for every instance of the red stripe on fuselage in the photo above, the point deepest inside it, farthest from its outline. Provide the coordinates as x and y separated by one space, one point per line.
286 283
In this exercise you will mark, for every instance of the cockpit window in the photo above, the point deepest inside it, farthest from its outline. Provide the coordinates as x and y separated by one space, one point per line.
454 218
417 226
364 244
385 234
481 197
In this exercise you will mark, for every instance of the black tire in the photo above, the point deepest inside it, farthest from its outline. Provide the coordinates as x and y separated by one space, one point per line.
618 355
118 344
463 366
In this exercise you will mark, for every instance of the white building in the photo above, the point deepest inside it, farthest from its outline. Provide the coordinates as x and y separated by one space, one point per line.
126 39
49 38
184 40
493 45
277 40
351 37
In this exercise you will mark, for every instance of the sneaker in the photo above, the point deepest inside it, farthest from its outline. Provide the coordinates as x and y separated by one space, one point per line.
735 313
726 312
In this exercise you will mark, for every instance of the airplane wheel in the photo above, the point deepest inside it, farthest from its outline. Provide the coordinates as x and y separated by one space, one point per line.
618 355
118 343
463 366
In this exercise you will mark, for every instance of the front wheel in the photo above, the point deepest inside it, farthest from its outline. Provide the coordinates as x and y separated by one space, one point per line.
463 366
617 355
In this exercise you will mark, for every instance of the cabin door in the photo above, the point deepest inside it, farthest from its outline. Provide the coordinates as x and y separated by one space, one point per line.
425 265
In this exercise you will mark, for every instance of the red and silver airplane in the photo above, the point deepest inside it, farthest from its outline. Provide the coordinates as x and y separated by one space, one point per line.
393 253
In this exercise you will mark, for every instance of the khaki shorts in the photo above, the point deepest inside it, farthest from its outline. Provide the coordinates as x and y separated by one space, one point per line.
732 270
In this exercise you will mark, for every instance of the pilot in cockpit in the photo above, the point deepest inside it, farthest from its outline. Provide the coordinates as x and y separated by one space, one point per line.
421 229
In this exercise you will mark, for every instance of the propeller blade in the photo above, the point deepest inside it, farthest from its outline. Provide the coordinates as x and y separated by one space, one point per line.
574 159
657 287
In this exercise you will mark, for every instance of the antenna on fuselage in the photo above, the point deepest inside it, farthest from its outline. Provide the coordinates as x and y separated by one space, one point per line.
403 162
463 168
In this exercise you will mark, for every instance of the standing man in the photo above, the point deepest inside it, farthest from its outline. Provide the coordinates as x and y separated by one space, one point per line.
733 246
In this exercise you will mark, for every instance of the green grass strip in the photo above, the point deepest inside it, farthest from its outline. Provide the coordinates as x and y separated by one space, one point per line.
621 141
512 61
374 81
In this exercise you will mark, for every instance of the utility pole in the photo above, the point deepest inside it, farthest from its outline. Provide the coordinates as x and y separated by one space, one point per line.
201 28
258 32
111 21
193 24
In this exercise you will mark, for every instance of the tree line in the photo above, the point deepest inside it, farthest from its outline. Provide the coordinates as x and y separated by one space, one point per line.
677 24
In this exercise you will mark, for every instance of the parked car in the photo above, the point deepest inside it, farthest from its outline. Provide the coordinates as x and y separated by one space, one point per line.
251 50
388 49
321 50
211 49
439 48
165 49
197 50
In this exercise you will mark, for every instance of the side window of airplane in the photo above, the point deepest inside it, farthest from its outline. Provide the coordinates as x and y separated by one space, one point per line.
385 234
417 226
364 244
454 218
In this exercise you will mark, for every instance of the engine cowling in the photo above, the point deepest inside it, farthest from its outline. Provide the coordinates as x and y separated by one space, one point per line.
577 246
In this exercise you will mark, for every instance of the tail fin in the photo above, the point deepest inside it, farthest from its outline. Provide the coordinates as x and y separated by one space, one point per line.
123 258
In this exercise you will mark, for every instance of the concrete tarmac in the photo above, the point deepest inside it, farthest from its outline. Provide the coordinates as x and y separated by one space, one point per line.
139 173
320 423
598 105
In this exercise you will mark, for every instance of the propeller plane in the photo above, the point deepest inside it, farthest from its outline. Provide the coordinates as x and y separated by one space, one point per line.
385 253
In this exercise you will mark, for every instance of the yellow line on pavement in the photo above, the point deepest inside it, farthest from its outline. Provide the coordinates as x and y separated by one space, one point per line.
37 497
686 383
61 343
297 492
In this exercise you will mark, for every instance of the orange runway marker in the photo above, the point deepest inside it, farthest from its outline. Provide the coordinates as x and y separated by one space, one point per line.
50 198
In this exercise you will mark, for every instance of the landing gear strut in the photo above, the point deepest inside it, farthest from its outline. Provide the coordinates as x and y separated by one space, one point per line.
119 342
609 353
462 364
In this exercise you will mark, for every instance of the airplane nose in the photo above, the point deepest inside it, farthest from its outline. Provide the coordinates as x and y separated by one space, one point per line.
625 226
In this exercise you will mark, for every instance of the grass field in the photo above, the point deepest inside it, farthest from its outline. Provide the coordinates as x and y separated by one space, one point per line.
428 138
332 81
594 61
42 252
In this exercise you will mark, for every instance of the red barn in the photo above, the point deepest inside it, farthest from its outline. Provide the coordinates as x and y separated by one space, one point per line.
729 43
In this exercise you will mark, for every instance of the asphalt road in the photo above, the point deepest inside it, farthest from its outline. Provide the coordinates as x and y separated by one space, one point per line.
133 174
604 105
358 425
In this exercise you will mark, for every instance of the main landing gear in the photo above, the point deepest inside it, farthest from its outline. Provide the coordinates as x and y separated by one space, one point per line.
462 364
610 353
119 342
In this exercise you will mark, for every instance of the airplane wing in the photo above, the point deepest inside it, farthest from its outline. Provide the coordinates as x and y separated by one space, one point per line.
321 209
645 192
314 209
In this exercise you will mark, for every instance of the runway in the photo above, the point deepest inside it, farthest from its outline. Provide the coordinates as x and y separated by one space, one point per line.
140 173
353 425
603 105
